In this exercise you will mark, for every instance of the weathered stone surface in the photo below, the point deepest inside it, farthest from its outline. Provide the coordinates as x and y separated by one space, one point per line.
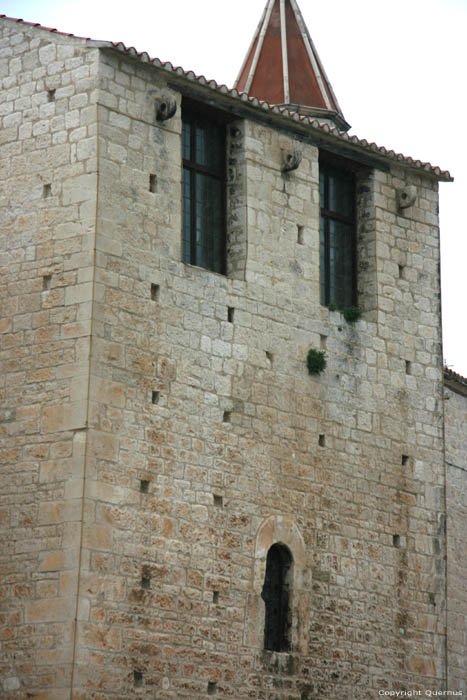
155 445
456 472
46 245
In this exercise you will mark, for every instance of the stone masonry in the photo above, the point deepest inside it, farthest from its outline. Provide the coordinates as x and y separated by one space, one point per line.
159 430
456 508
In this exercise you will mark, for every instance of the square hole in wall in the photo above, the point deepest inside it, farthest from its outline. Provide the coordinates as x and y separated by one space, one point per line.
51 95
47 190
144 486
212 687
218 500
322 440
269 357
215 597
46 282
300 235
146 581
155 397
322 341
230 314
137 679
401 272
408 367
152 183
155 292
405 460
226 416
396 540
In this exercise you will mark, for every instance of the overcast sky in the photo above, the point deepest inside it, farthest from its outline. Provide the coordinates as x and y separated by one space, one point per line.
397 68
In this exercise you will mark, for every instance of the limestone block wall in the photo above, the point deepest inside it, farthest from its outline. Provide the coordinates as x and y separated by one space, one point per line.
456 487
47 223
208 441
177 401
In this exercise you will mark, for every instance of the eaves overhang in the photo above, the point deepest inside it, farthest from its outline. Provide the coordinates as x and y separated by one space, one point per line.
454 381
320 133
310 128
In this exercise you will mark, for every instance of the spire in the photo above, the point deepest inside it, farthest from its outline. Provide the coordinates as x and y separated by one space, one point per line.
282 66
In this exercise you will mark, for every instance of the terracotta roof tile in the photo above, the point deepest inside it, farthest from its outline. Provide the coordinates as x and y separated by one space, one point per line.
282 65
41 26
255 102
455 377
314 123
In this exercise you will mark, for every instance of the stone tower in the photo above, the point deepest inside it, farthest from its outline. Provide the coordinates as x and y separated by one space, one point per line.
188 510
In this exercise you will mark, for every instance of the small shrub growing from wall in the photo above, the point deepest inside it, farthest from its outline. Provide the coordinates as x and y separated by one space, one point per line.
315 361
352 314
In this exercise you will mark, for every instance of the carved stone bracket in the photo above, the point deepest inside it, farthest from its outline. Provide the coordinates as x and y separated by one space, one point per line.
406 196
292 161
166 108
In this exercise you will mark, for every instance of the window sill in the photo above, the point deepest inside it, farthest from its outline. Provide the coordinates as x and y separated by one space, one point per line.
278 661
191 266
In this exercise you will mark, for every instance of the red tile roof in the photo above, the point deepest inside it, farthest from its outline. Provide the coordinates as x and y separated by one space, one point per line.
449 374
361 144
41 26
283 67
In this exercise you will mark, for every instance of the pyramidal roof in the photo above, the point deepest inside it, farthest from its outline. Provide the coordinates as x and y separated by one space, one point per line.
282 66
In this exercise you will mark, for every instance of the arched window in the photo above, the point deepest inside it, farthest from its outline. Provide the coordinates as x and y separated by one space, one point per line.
276 596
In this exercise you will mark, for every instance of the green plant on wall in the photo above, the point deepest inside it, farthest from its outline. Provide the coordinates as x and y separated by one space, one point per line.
352 314
315 361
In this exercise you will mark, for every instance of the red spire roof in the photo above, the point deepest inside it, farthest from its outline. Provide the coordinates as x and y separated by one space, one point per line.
283 67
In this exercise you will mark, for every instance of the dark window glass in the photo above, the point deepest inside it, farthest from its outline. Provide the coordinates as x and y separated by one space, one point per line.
186 140
186 215
203 147
337 237
276 596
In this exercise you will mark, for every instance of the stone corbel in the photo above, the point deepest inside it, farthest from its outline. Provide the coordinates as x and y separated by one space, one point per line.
291 161
406 196
166 108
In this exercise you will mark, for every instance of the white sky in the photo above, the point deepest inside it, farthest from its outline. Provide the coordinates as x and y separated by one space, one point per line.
397 68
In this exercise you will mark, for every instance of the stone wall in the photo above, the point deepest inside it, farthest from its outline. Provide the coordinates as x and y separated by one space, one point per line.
456 486
208 438
47 215
204 440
